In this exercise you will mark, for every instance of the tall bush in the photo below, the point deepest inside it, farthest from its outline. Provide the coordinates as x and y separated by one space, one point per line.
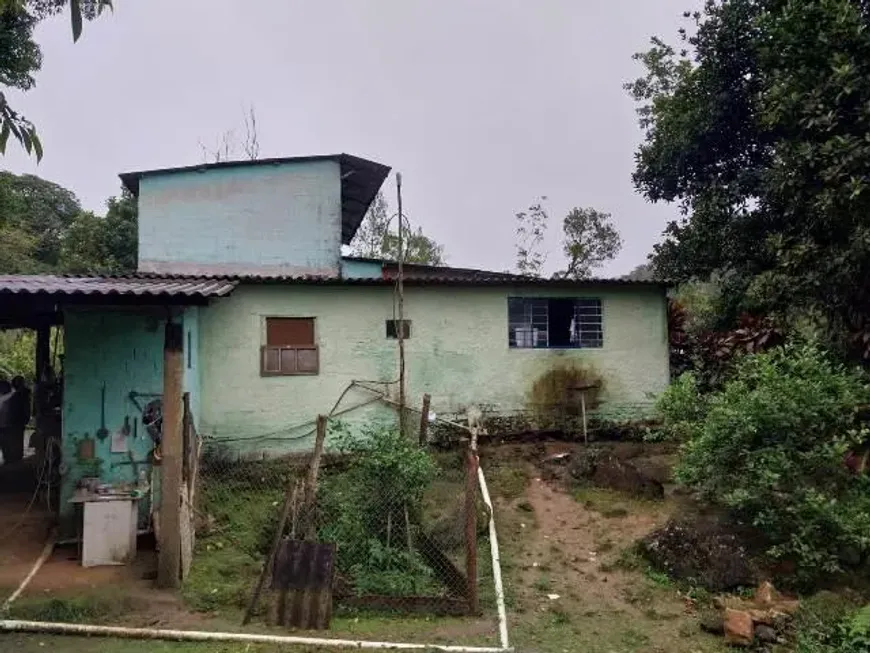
373 510
770 447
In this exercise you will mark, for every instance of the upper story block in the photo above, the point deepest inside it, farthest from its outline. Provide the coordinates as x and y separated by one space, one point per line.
263 218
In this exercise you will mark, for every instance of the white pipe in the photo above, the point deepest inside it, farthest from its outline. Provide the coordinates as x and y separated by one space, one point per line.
496 563
46 553
13 625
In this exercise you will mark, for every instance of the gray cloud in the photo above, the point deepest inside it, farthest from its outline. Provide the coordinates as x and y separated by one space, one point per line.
482 104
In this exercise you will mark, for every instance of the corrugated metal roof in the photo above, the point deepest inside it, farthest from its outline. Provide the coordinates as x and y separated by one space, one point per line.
130 286
446 278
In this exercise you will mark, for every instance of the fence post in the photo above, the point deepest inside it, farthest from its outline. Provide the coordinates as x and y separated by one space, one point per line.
471 530
424 420
169 559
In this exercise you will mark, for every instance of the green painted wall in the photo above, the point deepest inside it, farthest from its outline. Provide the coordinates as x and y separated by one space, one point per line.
458 352
122 350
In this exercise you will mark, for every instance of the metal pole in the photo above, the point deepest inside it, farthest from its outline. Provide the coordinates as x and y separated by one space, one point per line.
400 327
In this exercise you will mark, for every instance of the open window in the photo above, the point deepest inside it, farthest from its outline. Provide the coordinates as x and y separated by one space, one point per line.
290 347
555 323
393 331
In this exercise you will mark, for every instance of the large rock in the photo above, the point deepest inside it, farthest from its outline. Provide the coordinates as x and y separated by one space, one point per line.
700 550
739 629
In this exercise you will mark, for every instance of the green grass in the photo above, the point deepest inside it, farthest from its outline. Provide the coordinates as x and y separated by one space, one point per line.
100 607
611 504
506 481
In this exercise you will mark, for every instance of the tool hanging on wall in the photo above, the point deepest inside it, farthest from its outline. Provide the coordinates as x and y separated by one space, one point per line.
103 432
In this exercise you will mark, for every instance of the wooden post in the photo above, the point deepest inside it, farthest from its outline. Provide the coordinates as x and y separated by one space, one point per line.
471 531
171 444
309 502
424 420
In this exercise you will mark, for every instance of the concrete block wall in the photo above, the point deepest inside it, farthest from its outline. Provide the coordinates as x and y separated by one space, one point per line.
458 352
280 219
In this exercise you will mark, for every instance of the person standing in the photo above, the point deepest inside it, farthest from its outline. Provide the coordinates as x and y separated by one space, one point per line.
19 418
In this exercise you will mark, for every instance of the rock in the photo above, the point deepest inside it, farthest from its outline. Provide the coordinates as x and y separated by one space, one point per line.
766 594
713 622
739 630
700 550
766 634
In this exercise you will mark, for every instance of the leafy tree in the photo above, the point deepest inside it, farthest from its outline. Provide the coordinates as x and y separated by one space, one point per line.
104 245
589 240
642 272
377 238
20 56
35 214
770 447
757 129
531 228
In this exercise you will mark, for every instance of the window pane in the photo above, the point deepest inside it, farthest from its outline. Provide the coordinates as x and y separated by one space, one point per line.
289 331
527 322
588 326
271 360
288 361
307 360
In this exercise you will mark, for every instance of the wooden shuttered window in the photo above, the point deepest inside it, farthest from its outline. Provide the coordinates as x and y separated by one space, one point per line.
290 347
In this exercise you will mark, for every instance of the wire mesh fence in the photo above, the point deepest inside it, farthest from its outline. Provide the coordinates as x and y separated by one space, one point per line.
405 524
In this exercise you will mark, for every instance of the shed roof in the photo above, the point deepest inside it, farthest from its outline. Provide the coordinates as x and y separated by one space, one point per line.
361 179
127 286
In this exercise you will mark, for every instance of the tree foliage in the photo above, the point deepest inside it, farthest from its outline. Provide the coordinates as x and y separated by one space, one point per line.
531 228
377 237
44 229
103 245
757 128
589 240
770 447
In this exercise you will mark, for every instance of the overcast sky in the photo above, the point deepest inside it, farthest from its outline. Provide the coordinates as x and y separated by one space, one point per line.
483 105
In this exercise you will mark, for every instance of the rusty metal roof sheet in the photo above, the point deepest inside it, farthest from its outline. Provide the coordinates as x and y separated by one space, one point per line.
128 286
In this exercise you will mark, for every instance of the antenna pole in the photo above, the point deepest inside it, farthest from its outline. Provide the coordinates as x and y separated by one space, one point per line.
400 285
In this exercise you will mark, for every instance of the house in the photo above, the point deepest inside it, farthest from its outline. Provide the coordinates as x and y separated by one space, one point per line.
278 326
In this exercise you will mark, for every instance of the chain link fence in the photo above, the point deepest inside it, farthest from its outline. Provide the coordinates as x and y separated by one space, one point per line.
405 523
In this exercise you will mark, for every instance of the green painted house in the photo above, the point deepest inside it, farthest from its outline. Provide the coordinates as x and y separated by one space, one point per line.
279 327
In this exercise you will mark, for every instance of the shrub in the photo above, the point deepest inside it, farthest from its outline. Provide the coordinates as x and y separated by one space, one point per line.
770 447
369 509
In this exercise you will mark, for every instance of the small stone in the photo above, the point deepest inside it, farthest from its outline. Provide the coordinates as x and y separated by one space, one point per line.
738 627
765 633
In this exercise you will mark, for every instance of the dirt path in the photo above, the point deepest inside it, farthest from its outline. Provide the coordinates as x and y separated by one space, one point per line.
567 588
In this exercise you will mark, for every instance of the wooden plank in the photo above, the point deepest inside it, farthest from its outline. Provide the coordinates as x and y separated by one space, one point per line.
186 532
441 565
424 420
471 531
303 575
169 557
